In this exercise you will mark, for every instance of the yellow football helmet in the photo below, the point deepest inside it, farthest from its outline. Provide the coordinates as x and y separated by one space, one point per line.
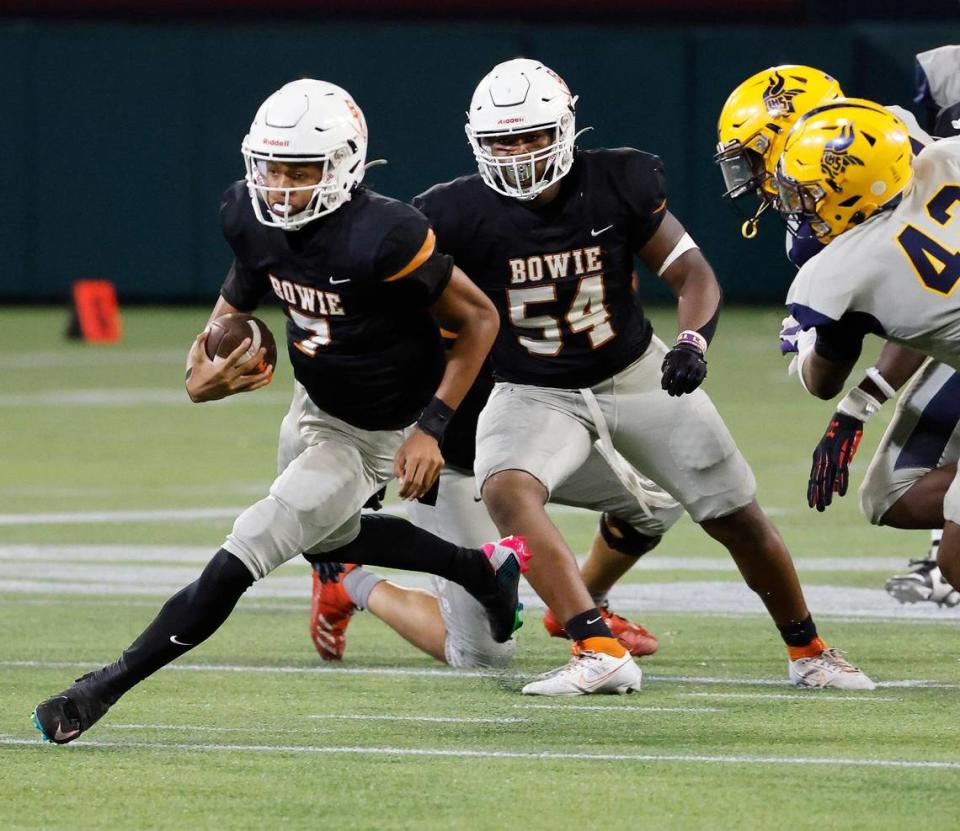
842 163
754 123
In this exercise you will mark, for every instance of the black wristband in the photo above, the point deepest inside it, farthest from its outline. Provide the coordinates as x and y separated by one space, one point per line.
435 417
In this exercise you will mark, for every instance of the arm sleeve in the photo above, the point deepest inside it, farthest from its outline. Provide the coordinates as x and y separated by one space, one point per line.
842 340
644 187
243 287
410 264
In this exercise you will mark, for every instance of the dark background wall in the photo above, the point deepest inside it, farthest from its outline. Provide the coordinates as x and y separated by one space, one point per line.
120 135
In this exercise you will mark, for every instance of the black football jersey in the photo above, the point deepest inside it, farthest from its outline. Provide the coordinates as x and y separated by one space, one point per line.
560 276
356 287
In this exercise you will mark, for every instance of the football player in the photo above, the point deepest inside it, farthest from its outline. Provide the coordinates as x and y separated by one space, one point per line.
889 267
549 232
362 282
448 623
902 490
938 91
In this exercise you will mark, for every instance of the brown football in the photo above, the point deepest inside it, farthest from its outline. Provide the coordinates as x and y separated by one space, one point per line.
227 332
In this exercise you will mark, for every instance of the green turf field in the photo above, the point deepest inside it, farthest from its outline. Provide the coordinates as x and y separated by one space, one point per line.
115 490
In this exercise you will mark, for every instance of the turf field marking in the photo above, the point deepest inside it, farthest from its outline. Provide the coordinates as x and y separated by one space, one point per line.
431 719
454 673
546 755
203 728
146 554
810 695
177 515
127 397
96 517
622 707
19 591
88 358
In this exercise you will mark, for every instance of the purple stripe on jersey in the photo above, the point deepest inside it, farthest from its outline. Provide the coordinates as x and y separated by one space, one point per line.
925 445
809 318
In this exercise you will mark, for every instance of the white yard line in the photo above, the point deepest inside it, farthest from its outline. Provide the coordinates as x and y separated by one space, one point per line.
177 515
192 553
697 597
90 358
811 696
131 397
296 604
429 719
124 517
203 728
451 673
464 753
619 707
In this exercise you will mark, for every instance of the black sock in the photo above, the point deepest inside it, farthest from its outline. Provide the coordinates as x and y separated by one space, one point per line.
393 542
588 624
799 634
187 619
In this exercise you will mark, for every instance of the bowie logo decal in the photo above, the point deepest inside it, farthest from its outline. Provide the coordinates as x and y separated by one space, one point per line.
835 157
776 99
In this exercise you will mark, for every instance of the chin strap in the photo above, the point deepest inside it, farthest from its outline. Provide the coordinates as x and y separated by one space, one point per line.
374 163
749 227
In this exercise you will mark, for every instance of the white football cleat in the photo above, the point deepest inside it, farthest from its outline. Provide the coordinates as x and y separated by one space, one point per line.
590 672
924 583
829 669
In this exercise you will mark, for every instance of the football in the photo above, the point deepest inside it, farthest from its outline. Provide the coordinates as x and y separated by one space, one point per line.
227 332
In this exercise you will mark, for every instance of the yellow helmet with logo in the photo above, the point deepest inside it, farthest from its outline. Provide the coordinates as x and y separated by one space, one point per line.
756 118
842 163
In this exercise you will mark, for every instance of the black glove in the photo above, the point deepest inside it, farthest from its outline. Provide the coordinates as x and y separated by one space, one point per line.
830 470
684 369
328 572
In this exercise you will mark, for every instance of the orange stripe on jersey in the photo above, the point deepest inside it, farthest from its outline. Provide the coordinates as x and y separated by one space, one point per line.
429 244
660 207
445 333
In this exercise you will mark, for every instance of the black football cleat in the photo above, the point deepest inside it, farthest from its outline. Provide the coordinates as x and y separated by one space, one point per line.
63 717
508 558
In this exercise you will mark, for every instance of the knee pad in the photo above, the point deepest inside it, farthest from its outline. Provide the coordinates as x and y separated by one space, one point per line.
265 536
626 539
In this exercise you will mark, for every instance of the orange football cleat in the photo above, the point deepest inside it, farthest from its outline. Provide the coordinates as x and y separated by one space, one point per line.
330 611
636 639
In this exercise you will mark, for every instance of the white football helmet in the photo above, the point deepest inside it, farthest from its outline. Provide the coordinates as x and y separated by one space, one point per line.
521 96
305 122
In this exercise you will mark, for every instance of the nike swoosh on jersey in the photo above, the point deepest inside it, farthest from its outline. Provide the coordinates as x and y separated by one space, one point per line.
338 282
594 233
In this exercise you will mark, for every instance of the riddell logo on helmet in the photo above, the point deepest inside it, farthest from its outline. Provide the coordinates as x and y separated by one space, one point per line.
276 142
515 120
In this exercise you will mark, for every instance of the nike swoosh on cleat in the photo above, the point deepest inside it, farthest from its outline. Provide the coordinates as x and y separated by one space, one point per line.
60 736
594 233
173 639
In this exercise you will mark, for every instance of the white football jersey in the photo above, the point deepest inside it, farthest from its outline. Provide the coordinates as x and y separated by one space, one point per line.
901 267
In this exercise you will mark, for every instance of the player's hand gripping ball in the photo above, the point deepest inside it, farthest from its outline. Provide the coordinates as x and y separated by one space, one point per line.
227 332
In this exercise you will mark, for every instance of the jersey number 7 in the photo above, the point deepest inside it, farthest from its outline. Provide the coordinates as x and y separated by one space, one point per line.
937 267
